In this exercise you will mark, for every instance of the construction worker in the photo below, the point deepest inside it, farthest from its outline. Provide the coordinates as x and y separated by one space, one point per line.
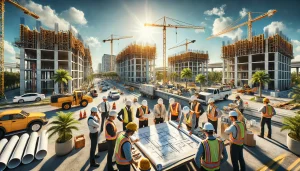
159 112
240 103
93 125
236 133
174 110
111 136
190 119
103 108
210 150
213 113
267 111
197 108
144 164
127 114
141 112
123 148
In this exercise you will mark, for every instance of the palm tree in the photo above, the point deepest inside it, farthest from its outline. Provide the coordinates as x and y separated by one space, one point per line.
61 76
186 73
292 124
174 75
200 78
63 125
295 94
262 78
159 75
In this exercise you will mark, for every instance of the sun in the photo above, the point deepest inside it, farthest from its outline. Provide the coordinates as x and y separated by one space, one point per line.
145 34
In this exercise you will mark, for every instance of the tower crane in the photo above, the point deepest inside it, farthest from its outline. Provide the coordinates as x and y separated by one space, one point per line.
164 25
249 23
184 44
111 40
26 11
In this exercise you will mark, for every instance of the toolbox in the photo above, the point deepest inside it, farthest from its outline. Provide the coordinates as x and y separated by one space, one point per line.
103 146
79 141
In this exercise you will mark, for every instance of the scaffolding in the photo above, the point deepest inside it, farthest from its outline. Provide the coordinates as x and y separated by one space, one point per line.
190 55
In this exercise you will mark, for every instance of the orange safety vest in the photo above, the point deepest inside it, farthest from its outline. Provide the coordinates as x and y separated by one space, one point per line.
212 113
141 113
195 110
174 112
240 134
212 150
120 159
107 136
269 112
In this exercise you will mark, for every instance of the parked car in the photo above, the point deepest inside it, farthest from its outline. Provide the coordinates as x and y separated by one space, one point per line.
114 94
29 97
104 88
17 120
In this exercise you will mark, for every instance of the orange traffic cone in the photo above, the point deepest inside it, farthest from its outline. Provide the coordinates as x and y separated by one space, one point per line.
80 115
114 107
84 114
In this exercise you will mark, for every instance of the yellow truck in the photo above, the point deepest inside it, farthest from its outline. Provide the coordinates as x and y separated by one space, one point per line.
66 101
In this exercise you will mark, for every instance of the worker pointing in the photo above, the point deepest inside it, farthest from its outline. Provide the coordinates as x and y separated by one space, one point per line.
127 114
210 151
141 112
160 112
190 119
213 113
196 108
110 136
174 110
103 108
267 112
93 124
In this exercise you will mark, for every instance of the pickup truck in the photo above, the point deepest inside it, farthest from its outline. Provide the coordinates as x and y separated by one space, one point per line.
215 93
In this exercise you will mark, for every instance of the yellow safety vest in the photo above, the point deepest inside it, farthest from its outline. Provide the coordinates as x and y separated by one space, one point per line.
107 136
125 119
240 134
212 150
174 112
189 121
120 159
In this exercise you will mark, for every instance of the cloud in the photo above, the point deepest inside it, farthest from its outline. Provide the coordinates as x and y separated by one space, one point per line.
216 11
296 45
48 16
74 16
223 22
298 30
93 42
243 12
273 26
8 48
207 18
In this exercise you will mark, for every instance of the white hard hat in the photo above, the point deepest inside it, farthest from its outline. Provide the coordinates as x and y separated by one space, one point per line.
208 127
171 100
160 101
104 97
128 103
193 98
211 100
94 109
113 113
233 113
144 103
185 109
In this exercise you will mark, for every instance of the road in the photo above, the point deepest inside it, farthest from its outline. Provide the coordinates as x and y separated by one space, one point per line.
257 157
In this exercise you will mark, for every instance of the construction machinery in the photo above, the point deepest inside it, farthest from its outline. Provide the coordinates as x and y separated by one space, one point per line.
111 40
66 101
181 24
184 44
26 11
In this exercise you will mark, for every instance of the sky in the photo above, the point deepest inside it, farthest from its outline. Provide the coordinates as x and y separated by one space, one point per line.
96 20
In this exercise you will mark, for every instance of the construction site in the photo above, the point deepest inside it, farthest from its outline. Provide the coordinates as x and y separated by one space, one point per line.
136 63
196 60
42 52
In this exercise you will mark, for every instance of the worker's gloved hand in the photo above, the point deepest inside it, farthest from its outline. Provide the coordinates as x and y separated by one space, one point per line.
154 120
135 163
177 119
178 127
190 133
137 140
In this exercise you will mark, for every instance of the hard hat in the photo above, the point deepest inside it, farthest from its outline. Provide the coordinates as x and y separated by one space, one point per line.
128 103
237 96
160 101
266 100
233 113
144 103
94 109
193 98
208 127
185 109
171 100
132 126
211 100
113 113
104 97
144 164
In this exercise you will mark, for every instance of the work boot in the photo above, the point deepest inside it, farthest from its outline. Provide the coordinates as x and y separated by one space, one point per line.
269 136
95 165
261 136
97 156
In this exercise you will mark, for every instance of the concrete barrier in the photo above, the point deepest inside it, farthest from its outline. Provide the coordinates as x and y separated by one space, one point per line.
184 101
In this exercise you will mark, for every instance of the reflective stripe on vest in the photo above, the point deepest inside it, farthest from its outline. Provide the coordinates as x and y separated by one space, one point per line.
240 134
174 112
125 119
121 160
142 113
107 136
212 113
195 109
269 112
188 121
212 150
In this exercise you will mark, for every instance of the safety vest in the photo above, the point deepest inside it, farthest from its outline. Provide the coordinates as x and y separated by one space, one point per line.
212 113
212 152
120 159
240 134
125 119
269 112
142 113
189 121
107 136
195 109
174 112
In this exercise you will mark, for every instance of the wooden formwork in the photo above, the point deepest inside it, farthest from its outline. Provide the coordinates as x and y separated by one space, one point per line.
188 56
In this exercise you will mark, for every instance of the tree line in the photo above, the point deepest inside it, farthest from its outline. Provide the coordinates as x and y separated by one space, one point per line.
12 80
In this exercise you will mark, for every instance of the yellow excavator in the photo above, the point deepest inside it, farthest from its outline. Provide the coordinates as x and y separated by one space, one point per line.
66 101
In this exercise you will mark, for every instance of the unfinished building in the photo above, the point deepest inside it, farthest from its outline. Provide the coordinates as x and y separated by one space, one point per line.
42 52
136 63
196 60
271 54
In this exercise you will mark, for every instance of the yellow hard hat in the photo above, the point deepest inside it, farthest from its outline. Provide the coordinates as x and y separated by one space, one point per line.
131 126
144 164
266 100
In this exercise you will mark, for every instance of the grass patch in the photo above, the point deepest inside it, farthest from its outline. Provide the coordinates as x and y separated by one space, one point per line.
252 99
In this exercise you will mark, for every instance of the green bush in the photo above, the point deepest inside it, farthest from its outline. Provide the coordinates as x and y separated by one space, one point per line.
292 124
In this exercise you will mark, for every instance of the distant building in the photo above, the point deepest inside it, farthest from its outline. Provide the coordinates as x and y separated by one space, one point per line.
106 61
100 67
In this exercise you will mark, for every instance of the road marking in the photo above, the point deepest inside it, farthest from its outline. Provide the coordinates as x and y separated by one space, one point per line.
265 167
294 164
277 165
